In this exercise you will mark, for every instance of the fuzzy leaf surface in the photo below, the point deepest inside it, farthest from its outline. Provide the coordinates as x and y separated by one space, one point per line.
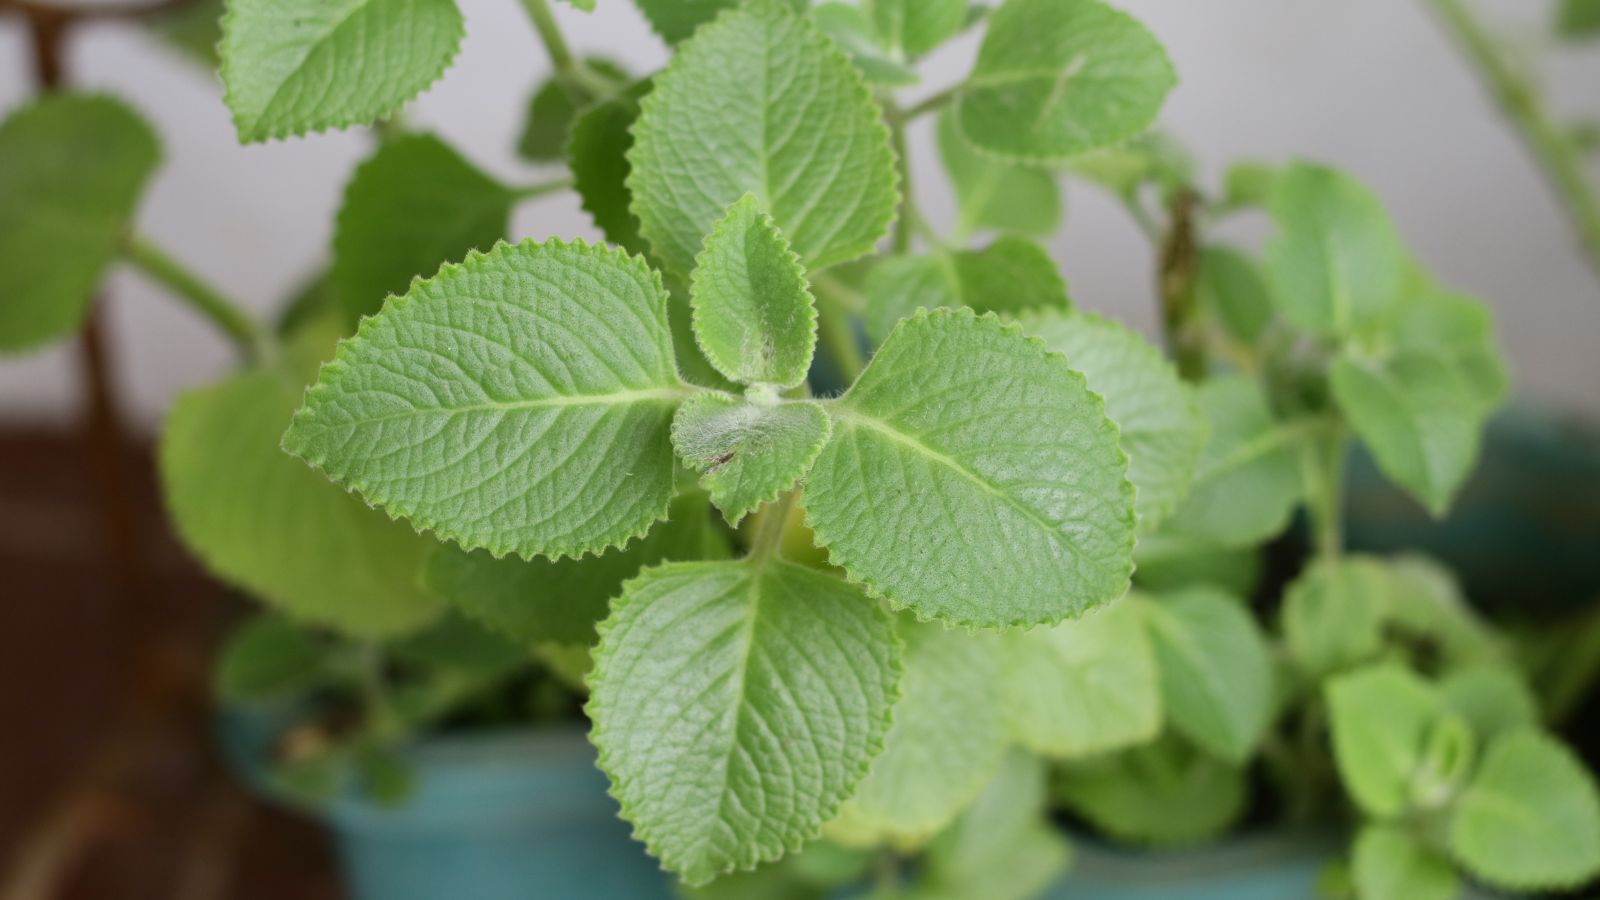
748 453
1216 676
1010 276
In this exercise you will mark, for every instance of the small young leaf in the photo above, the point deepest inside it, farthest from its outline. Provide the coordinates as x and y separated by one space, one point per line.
1530 819
1083 687
72 169
269 658
1336 261
992 193
1158 419
262 521
1492 698
1390 864
1333 614
556 104
518 402
947 740
754 317
1247 481
853 32
749 453
597 154
413 206
761 102
293 66
1446 758
911 28
1058 78
1163 793
1381 717
736 705
1231 287
915 496
1010 276
541 601
1419 418
1216 678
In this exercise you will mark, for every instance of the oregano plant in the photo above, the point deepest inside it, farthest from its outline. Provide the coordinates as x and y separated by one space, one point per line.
849 533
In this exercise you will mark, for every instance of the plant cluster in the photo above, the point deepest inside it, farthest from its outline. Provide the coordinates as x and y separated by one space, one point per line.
882 597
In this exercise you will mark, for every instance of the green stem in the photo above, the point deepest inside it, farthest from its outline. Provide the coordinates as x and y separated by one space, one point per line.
935 102
252 341
1559 155
769 529
540 188
1322 466
561 58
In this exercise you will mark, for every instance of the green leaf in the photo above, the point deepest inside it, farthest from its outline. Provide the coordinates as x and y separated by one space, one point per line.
260 520
1446 758
1231 287
1390 864
1000 848
754 317
1216 678
1247 482
1578 18
992 193
1058 78
1166 561
1163 793
191 29
748 453
542 601
853 32
556 105
974 478
675 20
911 28
1083 687
947 740
1157 417
1333 614
72 169
736 705
1424 603
1530 820
1009 276
597 154
499 408
1248 184
1336 261
1457 330
459 646
414 205
761 102
583 5
1152 158
1493 699
1419 418
293 66
1381 717
267 658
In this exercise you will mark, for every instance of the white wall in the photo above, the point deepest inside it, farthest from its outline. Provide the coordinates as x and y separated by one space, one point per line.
1366 84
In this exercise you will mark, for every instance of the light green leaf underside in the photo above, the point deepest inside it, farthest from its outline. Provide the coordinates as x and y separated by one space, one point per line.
974 478
261 520
1247 482
1336 261
1530 819
849 27
518 402
556 105
1389 864
414 205
1380 717
1162 793
991 193
597 154
1158 419
539 601
736 705
72 169
293 66
1010 276
1085 686
911 28
748 454
1058 78
948 738
761 102
1216 677
754 317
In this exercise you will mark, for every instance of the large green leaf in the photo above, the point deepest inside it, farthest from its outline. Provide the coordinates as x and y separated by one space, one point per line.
762 102
1389 864
748 453
1162 793
72 169
1085 686
1158 420
1216 678
910 28
597 154
542 601
293 66
1011 275
1333 614
518 402
992 193
1530 819
1381 717
1336 261
259 519
973 477
1058 78
413 206
753 313
736 705
947 740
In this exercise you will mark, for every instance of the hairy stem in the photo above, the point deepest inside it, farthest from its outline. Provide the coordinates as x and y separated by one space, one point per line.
1555 148
240 327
